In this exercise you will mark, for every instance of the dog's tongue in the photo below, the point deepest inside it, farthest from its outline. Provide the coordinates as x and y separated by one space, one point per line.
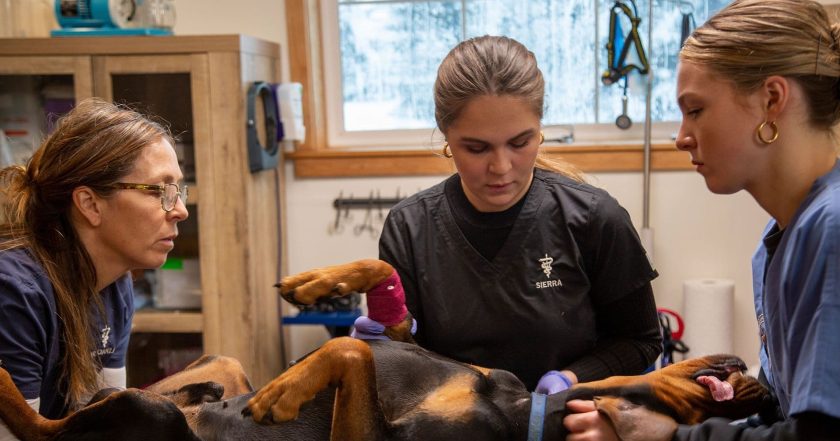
721 390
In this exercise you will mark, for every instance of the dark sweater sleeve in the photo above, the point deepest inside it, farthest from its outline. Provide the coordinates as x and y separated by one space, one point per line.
810 426
629 338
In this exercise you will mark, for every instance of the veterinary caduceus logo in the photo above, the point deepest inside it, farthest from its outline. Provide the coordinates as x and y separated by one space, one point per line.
545 264
106 333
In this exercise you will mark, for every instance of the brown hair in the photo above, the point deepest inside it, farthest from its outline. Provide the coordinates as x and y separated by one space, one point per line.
94 145
491 66
750 40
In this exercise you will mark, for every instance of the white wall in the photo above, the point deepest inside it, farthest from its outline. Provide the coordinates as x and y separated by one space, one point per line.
264 19
696 234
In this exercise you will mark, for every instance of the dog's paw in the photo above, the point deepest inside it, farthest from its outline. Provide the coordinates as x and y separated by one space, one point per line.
278 401
307 287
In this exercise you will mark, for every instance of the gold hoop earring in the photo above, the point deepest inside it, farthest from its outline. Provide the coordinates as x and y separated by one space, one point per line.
447 151
542 137
773 128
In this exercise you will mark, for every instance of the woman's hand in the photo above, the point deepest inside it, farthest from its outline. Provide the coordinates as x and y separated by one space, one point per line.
366 329
585 423
553 382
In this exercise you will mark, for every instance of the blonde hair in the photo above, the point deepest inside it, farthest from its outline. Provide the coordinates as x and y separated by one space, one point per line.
94 145
492 66
750 40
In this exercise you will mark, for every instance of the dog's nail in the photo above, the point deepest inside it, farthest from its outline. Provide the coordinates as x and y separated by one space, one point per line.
290 297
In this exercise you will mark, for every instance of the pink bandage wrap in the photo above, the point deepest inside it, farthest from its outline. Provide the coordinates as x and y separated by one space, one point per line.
386 301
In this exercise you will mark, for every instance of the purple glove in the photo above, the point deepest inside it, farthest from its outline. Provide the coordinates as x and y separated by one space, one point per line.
553 382
366 329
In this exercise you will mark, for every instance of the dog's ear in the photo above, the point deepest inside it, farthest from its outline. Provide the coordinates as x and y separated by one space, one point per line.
634 422
129 415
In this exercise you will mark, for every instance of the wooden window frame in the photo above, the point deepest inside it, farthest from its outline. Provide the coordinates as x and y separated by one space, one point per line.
314 157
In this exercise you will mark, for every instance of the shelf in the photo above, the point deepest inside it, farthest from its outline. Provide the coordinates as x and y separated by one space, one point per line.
151 320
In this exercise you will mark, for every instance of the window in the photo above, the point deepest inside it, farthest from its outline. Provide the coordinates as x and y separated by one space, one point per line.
381 57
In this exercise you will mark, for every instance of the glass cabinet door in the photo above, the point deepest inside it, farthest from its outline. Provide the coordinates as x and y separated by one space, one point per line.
34 92
168 322
162 87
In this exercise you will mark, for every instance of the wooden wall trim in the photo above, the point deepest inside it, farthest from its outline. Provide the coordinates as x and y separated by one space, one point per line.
607 158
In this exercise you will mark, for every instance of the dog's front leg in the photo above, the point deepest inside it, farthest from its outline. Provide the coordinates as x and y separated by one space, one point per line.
344 363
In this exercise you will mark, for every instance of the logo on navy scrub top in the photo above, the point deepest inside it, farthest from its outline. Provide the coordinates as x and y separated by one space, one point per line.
104 337
106 333
545 264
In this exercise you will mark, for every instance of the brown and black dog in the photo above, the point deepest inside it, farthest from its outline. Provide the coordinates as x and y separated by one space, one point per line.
379 390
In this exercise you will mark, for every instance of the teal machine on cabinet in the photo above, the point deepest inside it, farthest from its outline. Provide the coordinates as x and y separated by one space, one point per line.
114 17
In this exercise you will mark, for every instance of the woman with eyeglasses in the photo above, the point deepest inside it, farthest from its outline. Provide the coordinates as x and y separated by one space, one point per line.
99 198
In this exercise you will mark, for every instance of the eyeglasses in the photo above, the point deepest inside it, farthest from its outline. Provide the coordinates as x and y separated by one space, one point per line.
169 193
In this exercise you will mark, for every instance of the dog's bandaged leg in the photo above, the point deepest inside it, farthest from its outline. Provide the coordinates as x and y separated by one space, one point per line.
721 390
386 301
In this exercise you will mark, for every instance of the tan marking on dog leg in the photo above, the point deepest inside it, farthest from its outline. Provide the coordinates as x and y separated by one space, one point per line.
633 422
357 415
283 396
345 363
401 331
453 401
22 420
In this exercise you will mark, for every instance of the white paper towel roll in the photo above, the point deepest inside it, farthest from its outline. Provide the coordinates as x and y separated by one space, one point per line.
707 306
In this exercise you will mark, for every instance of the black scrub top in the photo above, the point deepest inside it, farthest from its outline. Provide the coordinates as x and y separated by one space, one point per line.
531 308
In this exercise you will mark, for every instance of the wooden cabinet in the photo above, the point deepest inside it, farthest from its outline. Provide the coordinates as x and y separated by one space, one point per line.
198 84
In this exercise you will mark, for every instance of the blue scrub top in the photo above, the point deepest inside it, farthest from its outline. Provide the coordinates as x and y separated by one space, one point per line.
797 299
31 343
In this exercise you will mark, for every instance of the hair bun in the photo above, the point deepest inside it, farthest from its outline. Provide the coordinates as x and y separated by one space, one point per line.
15 178
835 36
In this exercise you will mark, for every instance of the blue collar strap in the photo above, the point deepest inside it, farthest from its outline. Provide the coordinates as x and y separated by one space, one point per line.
535 423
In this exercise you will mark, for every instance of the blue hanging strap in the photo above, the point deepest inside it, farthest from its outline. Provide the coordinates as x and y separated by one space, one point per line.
535 423
619 43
